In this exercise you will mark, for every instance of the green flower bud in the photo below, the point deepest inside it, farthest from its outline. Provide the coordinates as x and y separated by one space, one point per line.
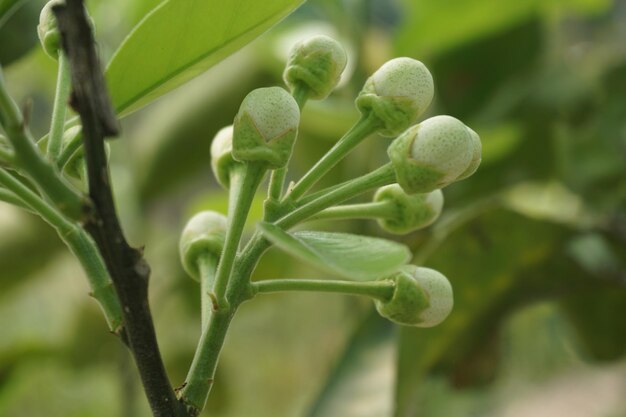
476 156
265 127
397 94
76 166
203 235
222 156
412 212
422 297
48 31
432 154
316 63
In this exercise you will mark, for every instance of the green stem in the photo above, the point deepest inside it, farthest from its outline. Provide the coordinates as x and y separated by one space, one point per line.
201 374
59 111
79 243
380 290
277 178
28 158
384 175
10 197
375 210
362 129
244 182
208 266
69 150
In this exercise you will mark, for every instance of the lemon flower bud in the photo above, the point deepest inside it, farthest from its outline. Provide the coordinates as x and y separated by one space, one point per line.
432 154
316 63
48 31
411 212
265 127
422 297
222 156
203 236
397 93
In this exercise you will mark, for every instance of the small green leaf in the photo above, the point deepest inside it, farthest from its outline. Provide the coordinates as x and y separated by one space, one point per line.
179 40
351 256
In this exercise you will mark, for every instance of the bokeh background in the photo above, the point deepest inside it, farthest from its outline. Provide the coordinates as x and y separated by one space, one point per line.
534 243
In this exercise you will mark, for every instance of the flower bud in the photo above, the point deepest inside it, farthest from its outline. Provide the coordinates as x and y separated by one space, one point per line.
48 31
476 156
203 235
222 156
265 127
397 93
411 212
432 154
316 63
422 297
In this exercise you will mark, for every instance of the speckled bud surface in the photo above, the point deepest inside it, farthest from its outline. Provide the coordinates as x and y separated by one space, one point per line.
222 155
432 154
397 94
411 211
265 127
203 235
477 156
423 298
317 63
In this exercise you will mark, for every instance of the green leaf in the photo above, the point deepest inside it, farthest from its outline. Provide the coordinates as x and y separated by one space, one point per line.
179 40
361 385
351 256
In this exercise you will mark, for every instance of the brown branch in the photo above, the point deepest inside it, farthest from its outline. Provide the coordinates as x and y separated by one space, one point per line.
127 267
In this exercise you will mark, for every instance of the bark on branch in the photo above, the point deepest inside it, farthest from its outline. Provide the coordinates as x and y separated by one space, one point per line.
127 267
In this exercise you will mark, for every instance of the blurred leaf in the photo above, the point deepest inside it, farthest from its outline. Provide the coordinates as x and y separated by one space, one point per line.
435 26
179 40
495 262
18 28
361 384
548 201
52 389
598 318
351 256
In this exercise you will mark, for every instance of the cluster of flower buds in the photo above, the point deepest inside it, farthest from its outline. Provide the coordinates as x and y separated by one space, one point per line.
424 158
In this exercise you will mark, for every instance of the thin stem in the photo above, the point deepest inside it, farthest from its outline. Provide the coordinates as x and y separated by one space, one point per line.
10 197
380 290
69 150
208 266
244 182
362 129
277 182
55 137
202 371
375 210
384 175
28 158
79 243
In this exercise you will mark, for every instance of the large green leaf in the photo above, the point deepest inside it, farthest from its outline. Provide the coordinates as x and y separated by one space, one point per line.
179 40
351 256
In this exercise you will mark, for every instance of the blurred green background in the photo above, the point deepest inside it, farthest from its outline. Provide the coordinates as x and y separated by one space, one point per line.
534 243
